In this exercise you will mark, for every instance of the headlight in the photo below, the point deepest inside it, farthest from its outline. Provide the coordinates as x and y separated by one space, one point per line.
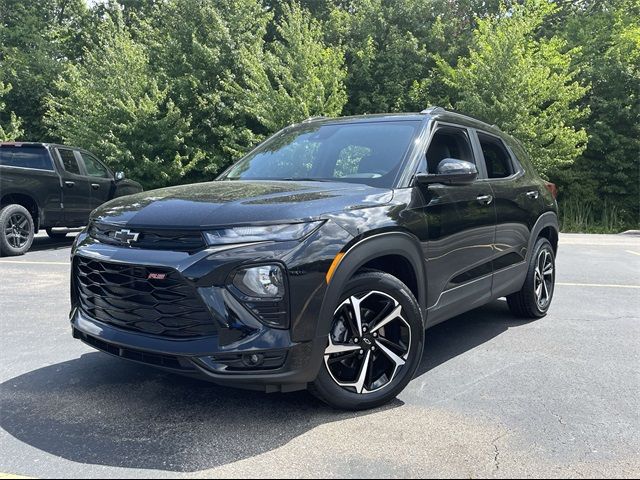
264 281
277 233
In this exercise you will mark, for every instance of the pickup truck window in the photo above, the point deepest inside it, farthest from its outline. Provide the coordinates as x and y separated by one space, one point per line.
94 167
69 161
26 157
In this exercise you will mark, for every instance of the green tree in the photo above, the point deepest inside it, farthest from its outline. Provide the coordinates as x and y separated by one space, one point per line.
607 174
37 37
521 82
112 104
11 129
294 77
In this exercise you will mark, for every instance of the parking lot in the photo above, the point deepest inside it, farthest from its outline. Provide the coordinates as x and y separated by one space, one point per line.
493 397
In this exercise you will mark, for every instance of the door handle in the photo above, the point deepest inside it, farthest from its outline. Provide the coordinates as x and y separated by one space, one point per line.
69 183
533 194
95 186
485 199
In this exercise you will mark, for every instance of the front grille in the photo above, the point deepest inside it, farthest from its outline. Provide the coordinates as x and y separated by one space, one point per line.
124 296
150 239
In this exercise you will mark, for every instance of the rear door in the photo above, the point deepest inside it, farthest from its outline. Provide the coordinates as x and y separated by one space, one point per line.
518 202
100 179
76 188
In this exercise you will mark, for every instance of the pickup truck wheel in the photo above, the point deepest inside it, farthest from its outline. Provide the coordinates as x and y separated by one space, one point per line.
16 230
375 344
56 235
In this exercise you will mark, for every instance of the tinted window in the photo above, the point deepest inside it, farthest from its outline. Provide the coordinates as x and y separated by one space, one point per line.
369 153
496 157
69 161
26 157
93 166
448 142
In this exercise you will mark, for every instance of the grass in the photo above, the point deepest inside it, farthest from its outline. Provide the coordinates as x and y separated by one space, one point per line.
583 217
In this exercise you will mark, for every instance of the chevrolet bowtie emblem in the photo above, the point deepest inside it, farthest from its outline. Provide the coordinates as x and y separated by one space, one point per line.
126 236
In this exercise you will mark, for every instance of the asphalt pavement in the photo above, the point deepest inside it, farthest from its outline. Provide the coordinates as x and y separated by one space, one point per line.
494 396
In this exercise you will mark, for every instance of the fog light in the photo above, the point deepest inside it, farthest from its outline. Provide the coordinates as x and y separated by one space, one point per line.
264 281
253 359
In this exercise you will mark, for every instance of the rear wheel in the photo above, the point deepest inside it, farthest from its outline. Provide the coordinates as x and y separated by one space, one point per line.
534 299
374 346
56 235
16 230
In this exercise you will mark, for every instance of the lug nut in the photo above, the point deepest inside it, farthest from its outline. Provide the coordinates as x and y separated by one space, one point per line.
375 334
373 348
356 340
361 352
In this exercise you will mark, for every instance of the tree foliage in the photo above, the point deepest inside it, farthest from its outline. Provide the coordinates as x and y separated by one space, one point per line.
525 84
175 90
10 130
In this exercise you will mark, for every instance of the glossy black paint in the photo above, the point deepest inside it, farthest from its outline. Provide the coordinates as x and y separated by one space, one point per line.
57 198
455 246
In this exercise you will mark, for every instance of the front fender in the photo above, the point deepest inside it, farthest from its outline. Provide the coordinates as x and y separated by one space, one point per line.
369 248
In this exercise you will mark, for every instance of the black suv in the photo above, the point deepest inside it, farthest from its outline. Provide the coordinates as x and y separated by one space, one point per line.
319 259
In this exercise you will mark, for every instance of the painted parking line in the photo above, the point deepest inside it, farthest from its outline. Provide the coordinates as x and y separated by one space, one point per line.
9 475
631 251
601 285
27 262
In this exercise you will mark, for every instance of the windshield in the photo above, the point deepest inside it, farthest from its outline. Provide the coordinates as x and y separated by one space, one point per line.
369 153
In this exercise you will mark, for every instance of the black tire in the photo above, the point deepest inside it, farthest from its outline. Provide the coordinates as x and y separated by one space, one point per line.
373 289
527 303
16 230
56 235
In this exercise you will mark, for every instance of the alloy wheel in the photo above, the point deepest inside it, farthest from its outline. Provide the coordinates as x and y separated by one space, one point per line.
369 342
544 278
17 230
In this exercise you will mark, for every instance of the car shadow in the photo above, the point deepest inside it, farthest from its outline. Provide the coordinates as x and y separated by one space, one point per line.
101 410
465 332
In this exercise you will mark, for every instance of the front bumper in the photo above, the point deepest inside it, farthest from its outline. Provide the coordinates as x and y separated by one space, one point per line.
289 358
287 365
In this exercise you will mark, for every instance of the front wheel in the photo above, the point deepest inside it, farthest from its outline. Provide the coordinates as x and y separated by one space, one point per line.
16 230
534 299
374 346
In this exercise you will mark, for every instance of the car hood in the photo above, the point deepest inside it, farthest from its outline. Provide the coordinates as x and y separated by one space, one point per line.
222 203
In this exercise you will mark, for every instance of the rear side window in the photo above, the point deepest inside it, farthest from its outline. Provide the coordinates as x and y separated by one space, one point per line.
26 157
69 161
496 157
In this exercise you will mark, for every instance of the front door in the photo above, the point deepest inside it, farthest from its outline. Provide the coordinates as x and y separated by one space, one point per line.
460 222
100 178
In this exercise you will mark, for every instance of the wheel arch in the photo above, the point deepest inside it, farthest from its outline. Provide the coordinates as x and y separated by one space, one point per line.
546 226
396 253
27 201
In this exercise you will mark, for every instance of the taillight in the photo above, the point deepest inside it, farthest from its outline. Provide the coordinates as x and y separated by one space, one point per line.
552 188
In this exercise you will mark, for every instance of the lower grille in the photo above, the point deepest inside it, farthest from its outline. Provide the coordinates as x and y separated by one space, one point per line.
165 361
124 296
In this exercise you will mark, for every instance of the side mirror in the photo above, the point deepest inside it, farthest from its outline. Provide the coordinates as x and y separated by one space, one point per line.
119 176
451 171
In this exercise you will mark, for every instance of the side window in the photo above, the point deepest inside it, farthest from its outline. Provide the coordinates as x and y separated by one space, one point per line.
496 157
69 161
93 166
448 142
25 157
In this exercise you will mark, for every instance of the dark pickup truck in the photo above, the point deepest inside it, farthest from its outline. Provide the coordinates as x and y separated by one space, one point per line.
45 186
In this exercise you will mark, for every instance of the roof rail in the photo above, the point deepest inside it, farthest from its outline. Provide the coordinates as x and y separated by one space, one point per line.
433 109
311 119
